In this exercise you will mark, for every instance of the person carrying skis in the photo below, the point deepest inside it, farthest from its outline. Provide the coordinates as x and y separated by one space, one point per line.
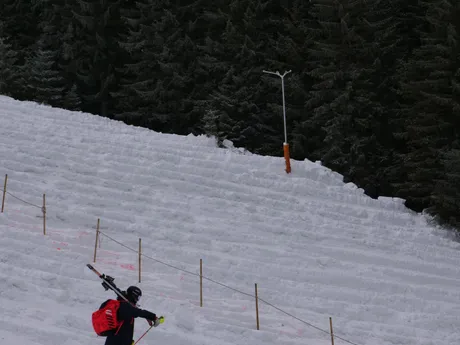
126 313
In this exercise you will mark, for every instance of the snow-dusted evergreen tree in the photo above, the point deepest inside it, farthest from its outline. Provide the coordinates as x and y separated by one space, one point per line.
157 84
215 124
19 22
71 100
59 37
446 196
8 69
374 103
211 61
334 55
240 96
45 82
134 97
429 108
95 52
175 56
354 113
396 29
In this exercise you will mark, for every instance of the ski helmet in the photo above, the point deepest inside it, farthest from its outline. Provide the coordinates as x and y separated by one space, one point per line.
133 293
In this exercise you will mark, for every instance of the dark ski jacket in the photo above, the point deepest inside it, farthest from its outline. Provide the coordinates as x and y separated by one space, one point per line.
127 313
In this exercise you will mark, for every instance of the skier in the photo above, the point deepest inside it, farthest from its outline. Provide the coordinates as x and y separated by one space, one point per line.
126 313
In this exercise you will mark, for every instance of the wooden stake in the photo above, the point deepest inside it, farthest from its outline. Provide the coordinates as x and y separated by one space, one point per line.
332 332
257 308
140 254
4 192
97 239
201 282
44 214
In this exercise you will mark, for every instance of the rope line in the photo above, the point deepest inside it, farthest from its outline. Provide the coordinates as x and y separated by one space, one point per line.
25 202
196 275
228 287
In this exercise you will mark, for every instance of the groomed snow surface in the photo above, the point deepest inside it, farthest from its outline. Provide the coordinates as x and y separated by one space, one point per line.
316 247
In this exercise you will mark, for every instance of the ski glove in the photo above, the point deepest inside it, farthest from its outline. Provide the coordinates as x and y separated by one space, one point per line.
156 322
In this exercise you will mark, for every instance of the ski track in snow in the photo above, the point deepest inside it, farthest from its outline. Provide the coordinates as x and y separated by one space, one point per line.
316 247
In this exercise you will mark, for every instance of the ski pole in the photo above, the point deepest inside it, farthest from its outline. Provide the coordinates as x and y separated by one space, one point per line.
161 320
143 335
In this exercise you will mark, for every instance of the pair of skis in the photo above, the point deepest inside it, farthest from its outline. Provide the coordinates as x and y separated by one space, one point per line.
107 283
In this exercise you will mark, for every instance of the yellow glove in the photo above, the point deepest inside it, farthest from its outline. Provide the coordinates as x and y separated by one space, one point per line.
159 321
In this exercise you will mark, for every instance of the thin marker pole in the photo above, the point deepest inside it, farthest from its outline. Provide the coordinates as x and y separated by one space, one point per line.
4 192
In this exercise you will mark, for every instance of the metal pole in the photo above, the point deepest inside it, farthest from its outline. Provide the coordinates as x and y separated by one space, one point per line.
97 240
332 332
284 103
286 145
257 308
284 110
44 214
4 193
201 282
140 256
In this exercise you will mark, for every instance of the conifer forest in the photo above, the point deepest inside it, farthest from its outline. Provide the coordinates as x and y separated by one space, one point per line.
374 91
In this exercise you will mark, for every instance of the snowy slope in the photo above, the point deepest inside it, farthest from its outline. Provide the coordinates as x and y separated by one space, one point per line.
317 248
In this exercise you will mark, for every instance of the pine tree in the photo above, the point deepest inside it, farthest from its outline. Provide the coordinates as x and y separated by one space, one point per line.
397 27
235 96
71 100
57 25
20 25
447 191
136 98
7 67
240 94
284 29
20 31
335 54
211 64
175 56
373 96
427 90
215 125
96 52
46 85
132 97
354 106
159 78
56 17
446 196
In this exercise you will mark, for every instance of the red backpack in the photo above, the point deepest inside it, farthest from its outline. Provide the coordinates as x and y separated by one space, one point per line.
105 321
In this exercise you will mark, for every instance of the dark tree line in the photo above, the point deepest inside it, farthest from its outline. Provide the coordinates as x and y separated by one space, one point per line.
374 93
